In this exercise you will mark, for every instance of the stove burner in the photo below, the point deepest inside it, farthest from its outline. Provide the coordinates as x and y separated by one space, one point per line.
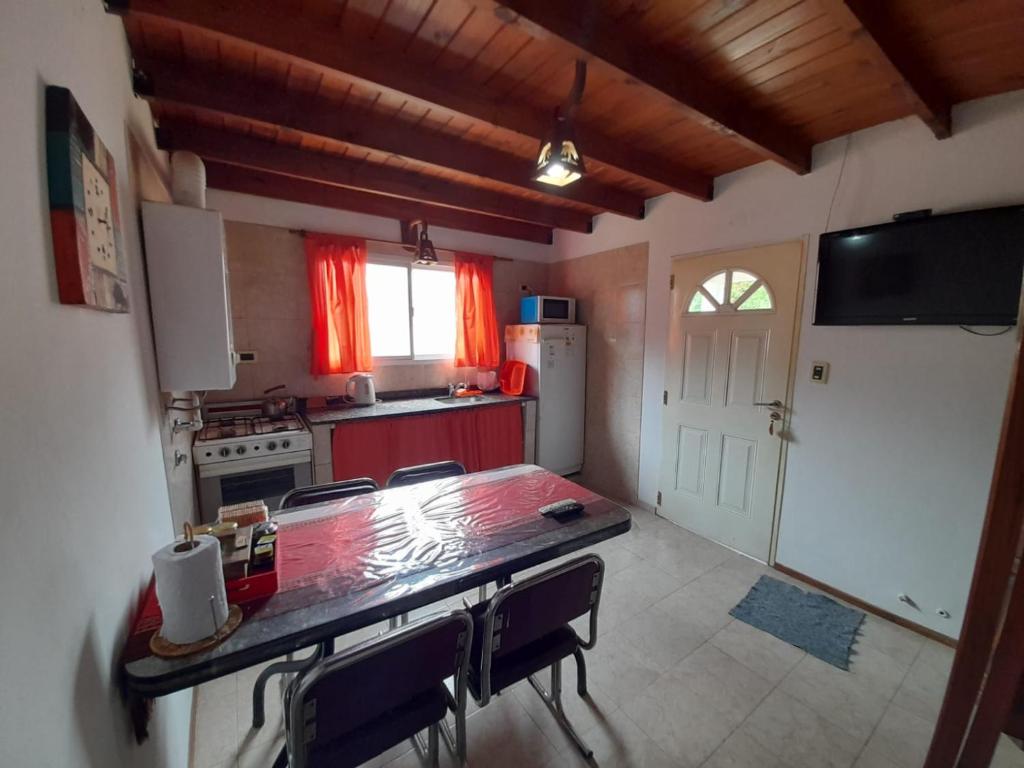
240 427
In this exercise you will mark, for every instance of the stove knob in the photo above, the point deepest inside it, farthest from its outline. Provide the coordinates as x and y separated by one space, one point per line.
240 450
225 452
286 443
271 445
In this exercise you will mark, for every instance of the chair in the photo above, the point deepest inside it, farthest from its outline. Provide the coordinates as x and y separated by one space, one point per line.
423 472
316 494
297 497
353 706
525 628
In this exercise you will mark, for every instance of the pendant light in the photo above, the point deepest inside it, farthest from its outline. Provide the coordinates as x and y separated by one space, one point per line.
425 253
559 162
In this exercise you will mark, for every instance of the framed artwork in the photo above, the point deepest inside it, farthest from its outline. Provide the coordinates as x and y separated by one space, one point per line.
84 217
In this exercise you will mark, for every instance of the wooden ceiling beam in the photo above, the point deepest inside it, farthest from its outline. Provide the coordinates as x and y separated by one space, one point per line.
263 24
236 149
242 97
593 34
869 23
233 178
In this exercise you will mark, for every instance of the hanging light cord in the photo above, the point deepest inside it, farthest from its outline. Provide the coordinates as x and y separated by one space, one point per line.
839 180
572 103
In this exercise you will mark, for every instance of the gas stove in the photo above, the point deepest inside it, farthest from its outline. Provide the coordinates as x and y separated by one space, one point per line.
229 438
240 455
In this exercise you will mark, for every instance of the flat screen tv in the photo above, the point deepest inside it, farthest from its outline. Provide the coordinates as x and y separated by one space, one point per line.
953 269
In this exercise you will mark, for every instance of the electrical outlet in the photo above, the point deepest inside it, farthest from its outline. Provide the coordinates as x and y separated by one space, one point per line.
246 357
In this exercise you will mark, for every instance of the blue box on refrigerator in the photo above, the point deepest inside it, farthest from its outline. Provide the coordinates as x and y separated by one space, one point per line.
547 309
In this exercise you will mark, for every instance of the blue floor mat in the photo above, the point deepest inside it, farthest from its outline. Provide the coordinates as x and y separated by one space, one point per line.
813 622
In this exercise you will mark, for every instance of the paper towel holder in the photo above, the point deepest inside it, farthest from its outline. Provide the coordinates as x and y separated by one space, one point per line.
189 542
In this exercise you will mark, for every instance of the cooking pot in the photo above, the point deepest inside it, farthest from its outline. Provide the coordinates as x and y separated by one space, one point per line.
276 407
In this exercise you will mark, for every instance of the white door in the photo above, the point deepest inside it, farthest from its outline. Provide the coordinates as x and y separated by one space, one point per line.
727 385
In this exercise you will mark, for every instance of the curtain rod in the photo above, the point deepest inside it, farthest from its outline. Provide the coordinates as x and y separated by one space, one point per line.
369 241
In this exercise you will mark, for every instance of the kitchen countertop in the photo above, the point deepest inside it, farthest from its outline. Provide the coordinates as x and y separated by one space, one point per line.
405 407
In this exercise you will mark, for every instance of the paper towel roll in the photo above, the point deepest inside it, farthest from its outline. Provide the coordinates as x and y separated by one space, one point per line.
188 574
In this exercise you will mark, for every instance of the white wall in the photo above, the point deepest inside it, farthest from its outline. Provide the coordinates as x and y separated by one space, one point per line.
82 487
282 213
888 471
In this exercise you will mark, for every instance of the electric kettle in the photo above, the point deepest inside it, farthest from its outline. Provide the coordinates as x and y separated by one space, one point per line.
359 389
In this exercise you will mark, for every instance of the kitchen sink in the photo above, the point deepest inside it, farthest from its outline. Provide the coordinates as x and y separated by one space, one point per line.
466 399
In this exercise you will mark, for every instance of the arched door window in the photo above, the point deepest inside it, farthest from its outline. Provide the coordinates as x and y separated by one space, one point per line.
731 290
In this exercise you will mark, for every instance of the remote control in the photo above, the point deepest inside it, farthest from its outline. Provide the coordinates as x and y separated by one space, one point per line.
562 509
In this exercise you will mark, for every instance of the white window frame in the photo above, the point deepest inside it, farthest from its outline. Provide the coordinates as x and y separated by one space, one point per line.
731 307
412 358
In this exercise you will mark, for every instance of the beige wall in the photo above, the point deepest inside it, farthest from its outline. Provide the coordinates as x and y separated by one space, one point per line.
270 306
611 299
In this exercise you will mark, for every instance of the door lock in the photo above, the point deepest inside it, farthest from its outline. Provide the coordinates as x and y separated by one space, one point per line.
773 417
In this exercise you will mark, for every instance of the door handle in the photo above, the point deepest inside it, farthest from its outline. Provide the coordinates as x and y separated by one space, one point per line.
772 404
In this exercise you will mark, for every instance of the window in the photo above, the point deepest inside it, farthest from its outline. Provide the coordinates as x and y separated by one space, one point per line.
746 293
412 310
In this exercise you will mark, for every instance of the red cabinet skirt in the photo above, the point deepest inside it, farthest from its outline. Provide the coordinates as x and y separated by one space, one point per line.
477 438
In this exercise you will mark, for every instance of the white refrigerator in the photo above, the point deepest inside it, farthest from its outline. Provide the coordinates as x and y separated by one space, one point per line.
556 360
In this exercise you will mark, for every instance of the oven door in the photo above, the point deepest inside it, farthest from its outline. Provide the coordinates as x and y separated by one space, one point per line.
267 478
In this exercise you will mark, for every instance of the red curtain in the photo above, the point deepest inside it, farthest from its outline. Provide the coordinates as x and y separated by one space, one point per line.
476 337
478 438
337 298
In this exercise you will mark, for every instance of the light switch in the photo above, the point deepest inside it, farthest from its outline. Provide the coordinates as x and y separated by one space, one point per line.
819 372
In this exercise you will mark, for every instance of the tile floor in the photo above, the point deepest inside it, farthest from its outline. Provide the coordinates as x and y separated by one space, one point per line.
674 681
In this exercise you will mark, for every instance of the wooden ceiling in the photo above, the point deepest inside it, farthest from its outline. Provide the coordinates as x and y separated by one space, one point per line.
435 108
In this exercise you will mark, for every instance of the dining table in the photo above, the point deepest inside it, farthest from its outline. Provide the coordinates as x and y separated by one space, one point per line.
347 564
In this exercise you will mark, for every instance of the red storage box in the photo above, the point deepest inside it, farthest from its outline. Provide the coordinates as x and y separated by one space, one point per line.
253 587
513 377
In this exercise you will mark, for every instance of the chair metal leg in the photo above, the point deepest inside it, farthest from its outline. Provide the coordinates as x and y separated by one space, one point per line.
460 727
553 700
281 668
456 743
433 754
428 751
581 672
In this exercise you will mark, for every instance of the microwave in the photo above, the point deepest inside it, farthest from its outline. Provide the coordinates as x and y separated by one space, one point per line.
547 309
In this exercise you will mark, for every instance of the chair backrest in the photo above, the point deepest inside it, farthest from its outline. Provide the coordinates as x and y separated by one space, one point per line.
336 696
316 494
530 609
423 472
